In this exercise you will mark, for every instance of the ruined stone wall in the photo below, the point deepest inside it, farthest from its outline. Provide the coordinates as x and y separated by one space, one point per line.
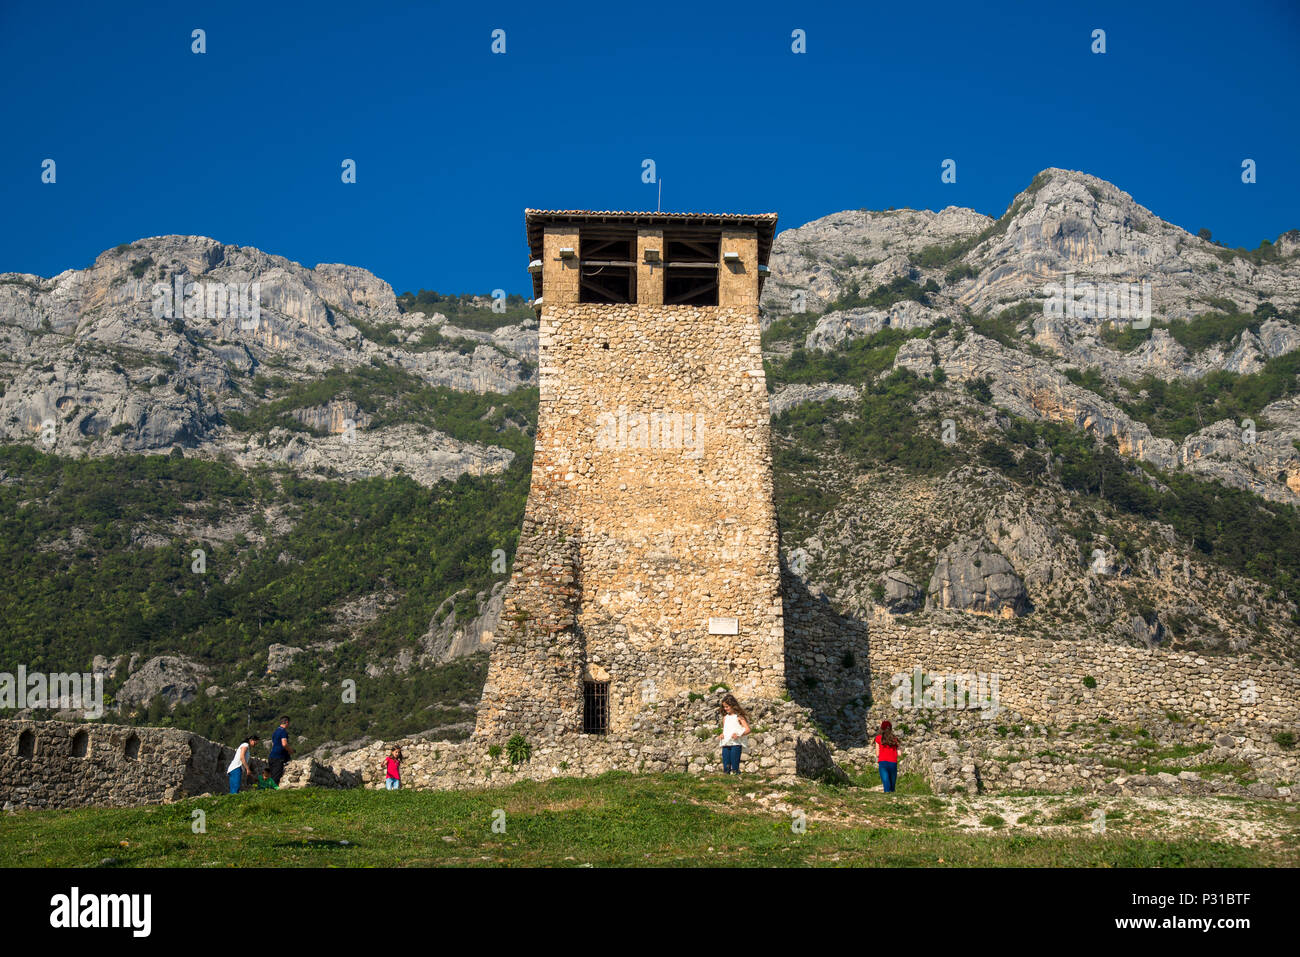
650 512
678 735
1048 681
53 764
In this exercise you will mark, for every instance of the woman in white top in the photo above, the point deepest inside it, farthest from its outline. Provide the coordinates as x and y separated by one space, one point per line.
239 767
735 725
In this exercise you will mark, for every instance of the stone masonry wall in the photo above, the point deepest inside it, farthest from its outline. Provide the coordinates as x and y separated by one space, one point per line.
650 512
54 764
678 735
1047 681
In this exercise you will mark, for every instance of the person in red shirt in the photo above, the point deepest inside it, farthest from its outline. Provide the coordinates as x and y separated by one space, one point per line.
393 769
887 756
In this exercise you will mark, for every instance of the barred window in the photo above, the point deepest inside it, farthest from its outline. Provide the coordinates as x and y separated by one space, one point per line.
595 707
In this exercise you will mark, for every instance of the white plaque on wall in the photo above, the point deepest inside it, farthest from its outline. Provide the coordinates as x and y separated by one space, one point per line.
724 626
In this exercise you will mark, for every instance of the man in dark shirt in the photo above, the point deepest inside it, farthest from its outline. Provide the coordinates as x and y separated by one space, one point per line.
280 753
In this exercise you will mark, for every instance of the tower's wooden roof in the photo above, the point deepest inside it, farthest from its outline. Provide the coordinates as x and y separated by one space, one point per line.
536 221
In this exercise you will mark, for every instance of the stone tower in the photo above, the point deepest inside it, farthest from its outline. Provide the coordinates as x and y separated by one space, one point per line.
648 561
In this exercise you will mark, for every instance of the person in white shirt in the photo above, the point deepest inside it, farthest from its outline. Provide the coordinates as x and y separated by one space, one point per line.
735 725
240 767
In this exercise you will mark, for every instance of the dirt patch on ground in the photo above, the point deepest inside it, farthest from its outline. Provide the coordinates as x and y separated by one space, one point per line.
528 805
1245 823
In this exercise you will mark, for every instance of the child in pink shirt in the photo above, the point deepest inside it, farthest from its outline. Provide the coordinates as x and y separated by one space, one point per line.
393 770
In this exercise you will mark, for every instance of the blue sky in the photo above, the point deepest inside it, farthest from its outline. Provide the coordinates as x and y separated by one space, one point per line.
245 142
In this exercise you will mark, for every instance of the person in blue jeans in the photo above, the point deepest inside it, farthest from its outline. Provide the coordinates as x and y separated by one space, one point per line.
735 725
280 752
393 769
239 767
887 756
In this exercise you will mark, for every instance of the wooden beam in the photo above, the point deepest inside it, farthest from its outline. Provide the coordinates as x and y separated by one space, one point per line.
616 294
709 252
690 293
595 249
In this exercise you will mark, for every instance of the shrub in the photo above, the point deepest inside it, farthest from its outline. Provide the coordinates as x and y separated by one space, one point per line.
518 749
1005 326
1212 327
981 389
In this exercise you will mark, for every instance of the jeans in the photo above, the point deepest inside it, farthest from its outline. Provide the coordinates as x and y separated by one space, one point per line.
276 768
888 774
731 759
236 778
392 784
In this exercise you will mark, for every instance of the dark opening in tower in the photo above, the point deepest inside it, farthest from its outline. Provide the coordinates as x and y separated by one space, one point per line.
595 707
607 267
691 268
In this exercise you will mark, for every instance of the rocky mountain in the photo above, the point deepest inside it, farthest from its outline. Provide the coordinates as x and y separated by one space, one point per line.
148 350
1064 221
986 510
1073 421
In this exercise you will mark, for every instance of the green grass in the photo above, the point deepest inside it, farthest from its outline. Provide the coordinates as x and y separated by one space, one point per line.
908 785
614 820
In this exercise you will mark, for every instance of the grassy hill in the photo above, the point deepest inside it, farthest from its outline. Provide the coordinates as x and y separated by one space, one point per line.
660 820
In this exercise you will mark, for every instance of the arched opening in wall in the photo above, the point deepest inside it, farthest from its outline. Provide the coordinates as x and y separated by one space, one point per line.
80 744
595 707
132 749
27 745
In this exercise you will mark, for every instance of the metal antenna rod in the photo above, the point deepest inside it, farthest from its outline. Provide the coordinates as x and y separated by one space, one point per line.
660 201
